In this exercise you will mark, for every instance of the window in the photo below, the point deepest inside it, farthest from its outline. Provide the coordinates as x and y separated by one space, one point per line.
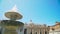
45 32
31 33
35 32
25 31
40 33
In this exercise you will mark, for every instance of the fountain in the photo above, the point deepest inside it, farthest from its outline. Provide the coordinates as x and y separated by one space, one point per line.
12 26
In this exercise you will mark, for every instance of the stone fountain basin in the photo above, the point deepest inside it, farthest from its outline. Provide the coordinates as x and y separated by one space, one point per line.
11 23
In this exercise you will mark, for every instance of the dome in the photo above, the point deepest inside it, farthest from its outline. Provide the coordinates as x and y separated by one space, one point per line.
31 23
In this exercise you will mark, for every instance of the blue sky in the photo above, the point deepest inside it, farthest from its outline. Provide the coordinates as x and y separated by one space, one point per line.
39 11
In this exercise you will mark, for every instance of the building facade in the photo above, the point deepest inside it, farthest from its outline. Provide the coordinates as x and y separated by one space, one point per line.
55 29
35 29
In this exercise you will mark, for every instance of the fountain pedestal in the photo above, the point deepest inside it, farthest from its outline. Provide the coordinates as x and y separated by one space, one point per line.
11 27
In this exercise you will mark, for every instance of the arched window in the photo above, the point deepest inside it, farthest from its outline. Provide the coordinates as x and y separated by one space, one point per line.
25 31
35 32
40 33
45 32
31 33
